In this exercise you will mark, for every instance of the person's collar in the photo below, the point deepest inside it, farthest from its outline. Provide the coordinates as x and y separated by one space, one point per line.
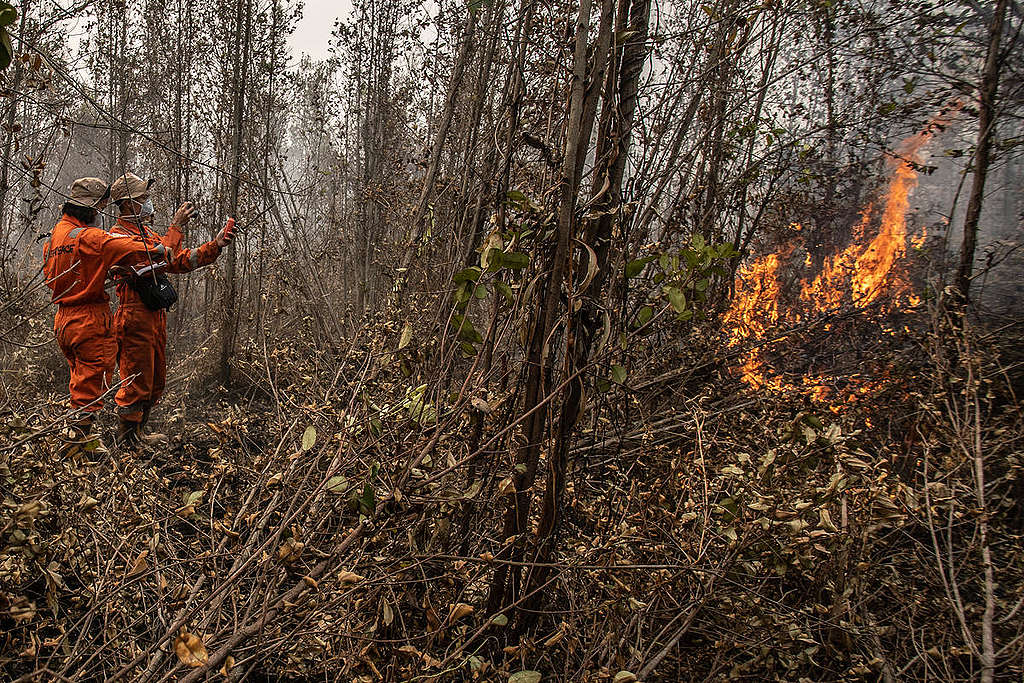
140 228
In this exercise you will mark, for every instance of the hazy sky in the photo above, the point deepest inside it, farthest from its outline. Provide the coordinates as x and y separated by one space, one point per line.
314 30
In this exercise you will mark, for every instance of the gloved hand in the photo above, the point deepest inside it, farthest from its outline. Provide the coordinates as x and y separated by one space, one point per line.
183 215
226 234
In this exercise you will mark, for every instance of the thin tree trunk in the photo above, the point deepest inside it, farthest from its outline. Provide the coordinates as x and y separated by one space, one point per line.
504 588
585 328
986 133
418 226
244 14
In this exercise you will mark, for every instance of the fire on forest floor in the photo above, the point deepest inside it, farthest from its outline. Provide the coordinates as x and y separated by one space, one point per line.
871 275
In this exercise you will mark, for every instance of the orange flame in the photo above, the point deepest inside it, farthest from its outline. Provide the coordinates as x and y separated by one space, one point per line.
859 274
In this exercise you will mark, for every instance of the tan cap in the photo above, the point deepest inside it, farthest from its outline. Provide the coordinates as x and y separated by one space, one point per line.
88 192
130 186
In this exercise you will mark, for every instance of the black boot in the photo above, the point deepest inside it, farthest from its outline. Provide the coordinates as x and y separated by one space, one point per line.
149 438
127 433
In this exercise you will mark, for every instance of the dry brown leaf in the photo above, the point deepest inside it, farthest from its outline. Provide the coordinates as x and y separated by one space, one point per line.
229 662
289 551
22 610
349 577
427 659
139 565
458 611
190 649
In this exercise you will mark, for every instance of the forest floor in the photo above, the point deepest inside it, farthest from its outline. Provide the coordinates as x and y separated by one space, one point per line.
306 527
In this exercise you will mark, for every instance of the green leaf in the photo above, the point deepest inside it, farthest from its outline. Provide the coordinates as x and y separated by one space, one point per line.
7 14
644 316
6 50
468 350
618 374
676 298
603 385
515 260
516 196
499 620
634 267
337 484
480 292
471 274
465 330
505 290
309 438
367 501
685 315
525 677
698 242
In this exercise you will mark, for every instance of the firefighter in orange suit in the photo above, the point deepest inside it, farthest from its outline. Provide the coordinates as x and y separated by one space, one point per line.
76 260
141 331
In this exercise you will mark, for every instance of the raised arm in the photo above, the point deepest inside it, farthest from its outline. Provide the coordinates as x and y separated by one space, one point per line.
185 260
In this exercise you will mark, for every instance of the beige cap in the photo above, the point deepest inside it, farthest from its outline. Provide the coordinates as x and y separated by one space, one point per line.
88 192
130 186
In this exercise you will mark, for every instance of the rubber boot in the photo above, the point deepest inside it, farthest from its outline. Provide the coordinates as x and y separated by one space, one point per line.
149 438
127 433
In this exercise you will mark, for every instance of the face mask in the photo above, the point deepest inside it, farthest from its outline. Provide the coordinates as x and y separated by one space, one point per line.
145 211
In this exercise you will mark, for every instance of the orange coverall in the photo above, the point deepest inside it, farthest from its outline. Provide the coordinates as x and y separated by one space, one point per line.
75 262
141 333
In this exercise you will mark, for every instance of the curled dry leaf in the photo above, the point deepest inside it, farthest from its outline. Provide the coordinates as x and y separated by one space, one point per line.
190 649
229 662
289 551
458 611
139 565
347 577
